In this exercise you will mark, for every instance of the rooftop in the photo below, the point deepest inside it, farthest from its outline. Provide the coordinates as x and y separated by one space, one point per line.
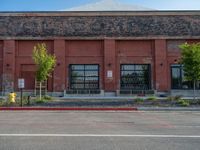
109 5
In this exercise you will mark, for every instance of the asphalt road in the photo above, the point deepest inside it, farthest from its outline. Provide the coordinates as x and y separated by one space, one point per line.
29 130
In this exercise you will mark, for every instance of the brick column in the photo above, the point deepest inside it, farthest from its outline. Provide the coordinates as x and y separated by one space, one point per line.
109 65
60 69
9 64
161 73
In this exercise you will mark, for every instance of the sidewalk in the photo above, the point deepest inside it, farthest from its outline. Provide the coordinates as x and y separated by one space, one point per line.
168 108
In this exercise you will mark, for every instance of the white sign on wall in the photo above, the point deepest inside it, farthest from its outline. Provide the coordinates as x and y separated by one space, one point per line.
109 74
21 83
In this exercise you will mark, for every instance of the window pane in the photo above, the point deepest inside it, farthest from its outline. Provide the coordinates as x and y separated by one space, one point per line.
128 67
176 77
91 67
91 73
139 67
77 80
77 86
77 73
91 86
91 79
77 67
127 73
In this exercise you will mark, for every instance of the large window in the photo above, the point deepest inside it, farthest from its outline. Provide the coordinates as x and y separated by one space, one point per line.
177 78
84 76
136 77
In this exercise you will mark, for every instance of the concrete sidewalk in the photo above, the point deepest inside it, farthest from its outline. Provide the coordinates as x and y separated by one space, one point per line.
168 108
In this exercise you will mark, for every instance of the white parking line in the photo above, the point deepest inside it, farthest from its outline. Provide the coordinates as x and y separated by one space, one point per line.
99 135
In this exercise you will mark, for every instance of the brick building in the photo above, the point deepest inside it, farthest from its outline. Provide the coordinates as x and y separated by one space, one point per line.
119 52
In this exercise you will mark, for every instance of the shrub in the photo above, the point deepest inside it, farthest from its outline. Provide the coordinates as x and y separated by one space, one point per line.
170 98
174 98
43 100
184 103
39 101
198 102
3 103
177 97
24 101
152 98
47 97
139 100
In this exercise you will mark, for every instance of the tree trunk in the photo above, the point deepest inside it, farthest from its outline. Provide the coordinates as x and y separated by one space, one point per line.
40 90
194 95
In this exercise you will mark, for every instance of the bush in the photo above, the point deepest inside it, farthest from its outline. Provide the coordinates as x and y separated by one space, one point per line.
152 98
3 103
44 99
177 97
184 103
24 101
47 97
38 101
174 98
170 98
139 100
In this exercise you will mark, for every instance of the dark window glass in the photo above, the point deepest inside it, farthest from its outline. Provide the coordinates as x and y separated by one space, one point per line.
135 77
84 76
178 80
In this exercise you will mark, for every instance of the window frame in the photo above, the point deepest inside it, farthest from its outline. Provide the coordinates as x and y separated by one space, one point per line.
84 83
149 86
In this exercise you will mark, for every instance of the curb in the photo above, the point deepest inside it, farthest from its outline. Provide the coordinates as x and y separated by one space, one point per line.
65 109
167 109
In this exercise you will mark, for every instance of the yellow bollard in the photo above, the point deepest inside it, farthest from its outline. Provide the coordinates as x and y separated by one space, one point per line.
12 97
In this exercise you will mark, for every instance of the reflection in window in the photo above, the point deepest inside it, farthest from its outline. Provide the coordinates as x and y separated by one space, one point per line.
178 80
84 76
135 77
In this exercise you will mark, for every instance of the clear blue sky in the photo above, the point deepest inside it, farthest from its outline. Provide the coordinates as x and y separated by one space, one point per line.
52 5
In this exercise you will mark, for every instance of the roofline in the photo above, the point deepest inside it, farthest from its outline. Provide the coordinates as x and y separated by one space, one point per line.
100 13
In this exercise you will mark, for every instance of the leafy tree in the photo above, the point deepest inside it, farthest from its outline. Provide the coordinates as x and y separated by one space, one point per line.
190 58
45 63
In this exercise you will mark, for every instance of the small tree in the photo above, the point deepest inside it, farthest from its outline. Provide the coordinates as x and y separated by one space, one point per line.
45 63
190 58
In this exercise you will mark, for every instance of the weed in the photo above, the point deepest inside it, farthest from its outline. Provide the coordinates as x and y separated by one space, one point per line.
38 101
47 97
184 103
177 97
139 100
152 98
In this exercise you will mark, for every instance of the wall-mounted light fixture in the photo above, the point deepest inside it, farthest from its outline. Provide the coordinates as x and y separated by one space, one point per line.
109 64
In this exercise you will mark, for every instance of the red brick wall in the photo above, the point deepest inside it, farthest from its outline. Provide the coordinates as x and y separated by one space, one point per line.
134 52
108 53
174 54
24 51
1 63
84 52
